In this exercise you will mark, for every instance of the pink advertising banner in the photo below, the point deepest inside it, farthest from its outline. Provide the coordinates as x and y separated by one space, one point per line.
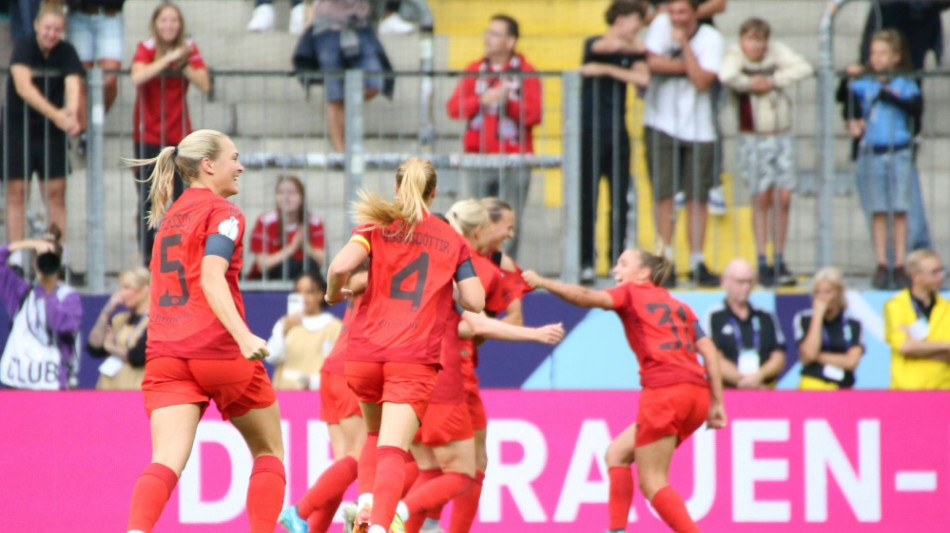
788 461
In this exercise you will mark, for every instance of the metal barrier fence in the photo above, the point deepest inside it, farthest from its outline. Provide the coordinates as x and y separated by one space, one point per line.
281 129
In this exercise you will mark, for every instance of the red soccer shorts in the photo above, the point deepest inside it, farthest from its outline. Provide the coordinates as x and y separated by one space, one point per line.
388 382
476 410
337 401
674 410
236 385
444 423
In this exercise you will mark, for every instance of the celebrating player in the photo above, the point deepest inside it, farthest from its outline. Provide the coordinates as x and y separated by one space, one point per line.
340 409
677 397
199 345
395 338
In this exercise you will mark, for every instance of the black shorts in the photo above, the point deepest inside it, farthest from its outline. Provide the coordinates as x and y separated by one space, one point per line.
43 153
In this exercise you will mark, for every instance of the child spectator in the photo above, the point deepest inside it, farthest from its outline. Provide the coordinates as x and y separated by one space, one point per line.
889 104
278 236
758 71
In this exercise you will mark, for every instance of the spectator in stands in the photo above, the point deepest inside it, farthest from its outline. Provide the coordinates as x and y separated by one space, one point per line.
889 104
501 108
750 341
610 63
22 15
392 22
283 248
917 327
42 348
262 18
830 343
705 10
340 38
162 69
758 71
119 333
96 28
41 110
303 337
679 128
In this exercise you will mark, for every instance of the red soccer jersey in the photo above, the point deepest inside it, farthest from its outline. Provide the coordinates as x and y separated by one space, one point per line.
266 236
448 385
181 323
335 361
161 111
410 281
661 331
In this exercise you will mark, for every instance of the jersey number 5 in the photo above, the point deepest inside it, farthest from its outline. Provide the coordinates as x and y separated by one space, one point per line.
666 319
420 266
174 265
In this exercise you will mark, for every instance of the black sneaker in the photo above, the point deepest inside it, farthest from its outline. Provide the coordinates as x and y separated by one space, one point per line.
766 276
901 279
784 277
703 277
881 278
670 281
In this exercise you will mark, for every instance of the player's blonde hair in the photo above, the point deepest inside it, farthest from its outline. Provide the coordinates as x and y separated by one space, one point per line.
466 216
186 158
496 207
660 266
415 187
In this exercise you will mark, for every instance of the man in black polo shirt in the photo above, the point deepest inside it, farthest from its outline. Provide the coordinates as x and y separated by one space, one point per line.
610 63
751 345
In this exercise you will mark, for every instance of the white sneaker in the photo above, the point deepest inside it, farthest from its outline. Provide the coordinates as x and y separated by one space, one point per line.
679 200
297 16
395 25
262 18
717 201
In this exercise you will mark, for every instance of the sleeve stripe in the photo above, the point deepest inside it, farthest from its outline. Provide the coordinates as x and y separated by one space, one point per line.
465 270
359 239
219 245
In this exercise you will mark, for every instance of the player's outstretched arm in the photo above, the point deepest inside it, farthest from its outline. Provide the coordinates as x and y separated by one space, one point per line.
480 325
575 294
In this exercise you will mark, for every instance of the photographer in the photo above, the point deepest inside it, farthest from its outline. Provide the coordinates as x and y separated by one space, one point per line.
41 351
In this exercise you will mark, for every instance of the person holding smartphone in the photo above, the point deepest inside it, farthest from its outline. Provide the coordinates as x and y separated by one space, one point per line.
301 339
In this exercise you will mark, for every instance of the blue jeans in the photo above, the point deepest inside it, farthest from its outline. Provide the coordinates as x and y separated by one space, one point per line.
918 231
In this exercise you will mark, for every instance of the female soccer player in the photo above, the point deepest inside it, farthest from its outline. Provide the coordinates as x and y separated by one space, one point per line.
445 449
340 409
396 336
199 345
677 397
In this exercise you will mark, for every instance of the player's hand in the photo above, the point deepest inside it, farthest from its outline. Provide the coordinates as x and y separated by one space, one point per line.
333 300
819 305
551 333
717 416
533 279
254 348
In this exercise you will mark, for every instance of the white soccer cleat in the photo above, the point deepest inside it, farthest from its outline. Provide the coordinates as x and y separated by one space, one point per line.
395 25
297 19
262 18
717 201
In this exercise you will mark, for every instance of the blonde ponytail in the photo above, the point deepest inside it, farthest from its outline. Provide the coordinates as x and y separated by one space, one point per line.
660 266
415 182
467 215
186 159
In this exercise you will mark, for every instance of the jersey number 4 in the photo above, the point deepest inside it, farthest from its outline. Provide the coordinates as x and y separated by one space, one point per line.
173 265
667 319
419 266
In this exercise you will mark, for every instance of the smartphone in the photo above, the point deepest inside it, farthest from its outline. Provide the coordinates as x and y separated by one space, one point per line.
294 303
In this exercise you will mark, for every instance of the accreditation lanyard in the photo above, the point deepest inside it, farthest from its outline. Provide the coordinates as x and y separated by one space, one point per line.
756 335
845 330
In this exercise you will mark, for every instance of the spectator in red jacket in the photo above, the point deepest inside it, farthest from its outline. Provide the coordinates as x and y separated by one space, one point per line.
501 107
